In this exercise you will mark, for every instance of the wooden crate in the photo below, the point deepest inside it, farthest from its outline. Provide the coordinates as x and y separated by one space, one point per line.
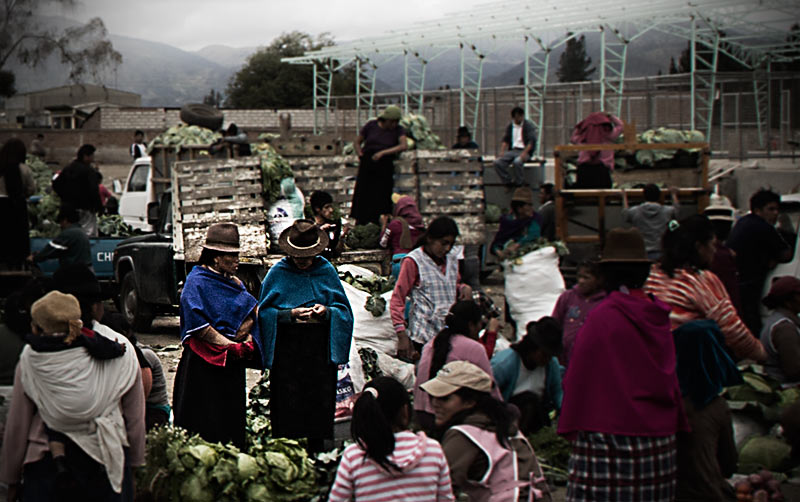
335 175
674 177
306 146
451 184
215 191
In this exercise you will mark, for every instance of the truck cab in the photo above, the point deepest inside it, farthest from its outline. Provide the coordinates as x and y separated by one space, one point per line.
138 193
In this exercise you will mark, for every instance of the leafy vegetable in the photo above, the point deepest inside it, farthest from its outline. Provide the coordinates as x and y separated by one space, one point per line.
274 169
363 236
112 225
492 213
369 362
376 285
552 450
43 215
516 257
183 135
420 134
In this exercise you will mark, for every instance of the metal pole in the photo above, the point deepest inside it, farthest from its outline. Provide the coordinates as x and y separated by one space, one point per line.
405 82
315 98
602 69
463 97
693 76
526 80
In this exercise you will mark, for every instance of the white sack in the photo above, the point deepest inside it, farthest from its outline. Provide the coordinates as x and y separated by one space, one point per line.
533 286
401 371
369 331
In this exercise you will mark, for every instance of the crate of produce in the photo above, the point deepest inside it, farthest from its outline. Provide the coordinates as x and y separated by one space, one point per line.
335 175
216 191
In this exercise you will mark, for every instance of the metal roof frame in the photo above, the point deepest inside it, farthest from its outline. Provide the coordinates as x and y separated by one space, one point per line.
752 32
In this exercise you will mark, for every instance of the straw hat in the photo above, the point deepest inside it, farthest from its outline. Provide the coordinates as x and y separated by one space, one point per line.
303 239
457 374
624 245
223 237
57 312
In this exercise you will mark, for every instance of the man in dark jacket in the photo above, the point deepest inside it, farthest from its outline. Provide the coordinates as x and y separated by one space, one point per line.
77 185
519 142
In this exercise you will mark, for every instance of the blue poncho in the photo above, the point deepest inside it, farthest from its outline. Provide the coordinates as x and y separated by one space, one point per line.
287 287
209 299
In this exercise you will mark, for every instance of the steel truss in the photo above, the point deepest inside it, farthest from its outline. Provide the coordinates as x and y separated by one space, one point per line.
751 32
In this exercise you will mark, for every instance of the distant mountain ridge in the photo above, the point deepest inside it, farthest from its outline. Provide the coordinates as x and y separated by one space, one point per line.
165 75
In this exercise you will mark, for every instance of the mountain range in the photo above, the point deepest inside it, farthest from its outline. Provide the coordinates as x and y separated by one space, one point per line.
165 75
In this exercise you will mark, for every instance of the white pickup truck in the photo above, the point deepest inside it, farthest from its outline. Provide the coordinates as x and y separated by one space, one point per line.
137 194
789 226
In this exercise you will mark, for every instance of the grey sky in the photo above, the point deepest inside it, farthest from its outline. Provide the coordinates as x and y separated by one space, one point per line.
193 24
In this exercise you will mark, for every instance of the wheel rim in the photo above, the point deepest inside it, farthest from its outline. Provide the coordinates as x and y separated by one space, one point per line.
130 305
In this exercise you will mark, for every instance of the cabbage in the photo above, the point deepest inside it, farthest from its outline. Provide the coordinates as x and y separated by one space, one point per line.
248 467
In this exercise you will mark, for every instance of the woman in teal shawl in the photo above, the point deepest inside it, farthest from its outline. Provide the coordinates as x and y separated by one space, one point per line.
306 325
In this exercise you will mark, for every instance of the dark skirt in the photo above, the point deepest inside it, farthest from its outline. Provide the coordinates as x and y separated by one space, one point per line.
210 400
372 195
630 468
302 382
14 229
593 175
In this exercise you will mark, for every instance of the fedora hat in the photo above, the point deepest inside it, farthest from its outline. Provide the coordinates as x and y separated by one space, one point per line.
624 245
303 239
223 237
523 194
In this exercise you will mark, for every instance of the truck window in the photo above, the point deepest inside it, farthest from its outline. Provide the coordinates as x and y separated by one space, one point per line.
138 180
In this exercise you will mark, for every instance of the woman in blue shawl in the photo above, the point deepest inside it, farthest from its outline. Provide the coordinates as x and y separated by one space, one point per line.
220 338
306 323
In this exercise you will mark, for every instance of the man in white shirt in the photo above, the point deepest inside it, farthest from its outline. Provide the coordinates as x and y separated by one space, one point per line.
518 144
138 148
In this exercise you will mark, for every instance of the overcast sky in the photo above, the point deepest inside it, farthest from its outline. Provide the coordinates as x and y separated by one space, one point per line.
193 24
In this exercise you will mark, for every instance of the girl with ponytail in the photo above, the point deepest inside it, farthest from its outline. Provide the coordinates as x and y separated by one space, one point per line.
458 341
388 461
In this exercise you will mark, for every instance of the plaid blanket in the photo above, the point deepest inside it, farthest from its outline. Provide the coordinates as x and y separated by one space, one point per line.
610 467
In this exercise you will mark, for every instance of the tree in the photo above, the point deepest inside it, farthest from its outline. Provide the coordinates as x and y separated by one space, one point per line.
213 98
25 39
265 82
685 61
673 68
574 65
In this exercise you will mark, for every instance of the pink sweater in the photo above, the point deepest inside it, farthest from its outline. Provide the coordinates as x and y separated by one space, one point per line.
25 440
424 474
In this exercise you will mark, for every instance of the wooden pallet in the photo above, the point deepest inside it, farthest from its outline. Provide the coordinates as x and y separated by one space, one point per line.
335 175
450 183
215 191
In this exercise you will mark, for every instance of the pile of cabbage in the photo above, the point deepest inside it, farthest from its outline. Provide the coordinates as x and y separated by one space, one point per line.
183 135
420 134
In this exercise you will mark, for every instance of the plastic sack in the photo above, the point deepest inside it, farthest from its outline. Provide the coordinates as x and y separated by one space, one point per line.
533 286
349 383
401 371
369 331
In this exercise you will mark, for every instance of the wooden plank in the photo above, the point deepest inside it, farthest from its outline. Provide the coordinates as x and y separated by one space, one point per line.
449 210
632 146
205 192
444 196
223 206
474 167
452 178
204 219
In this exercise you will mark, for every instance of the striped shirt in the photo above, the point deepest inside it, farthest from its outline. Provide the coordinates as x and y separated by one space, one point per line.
425 476
699 294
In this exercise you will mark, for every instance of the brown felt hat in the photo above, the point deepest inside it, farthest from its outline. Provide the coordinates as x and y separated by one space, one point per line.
303 239
624 245
56 312
222 237
523 194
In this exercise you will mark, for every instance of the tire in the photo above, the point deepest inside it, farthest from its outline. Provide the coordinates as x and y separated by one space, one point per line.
138 314
202 115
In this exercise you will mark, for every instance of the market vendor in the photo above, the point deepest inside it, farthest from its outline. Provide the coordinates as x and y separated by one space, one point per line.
307 324
520 227
220 335
376 146
400 231
429 278
595 166
323 207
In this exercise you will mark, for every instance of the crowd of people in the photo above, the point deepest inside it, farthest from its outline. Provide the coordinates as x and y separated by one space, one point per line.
629 366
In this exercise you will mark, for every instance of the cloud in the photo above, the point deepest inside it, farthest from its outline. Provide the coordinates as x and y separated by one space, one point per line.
193 24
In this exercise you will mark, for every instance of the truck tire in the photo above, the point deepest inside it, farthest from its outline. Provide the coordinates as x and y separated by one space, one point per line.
138 313
202 115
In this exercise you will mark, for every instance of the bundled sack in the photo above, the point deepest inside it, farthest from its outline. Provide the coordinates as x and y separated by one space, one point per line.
368 330
532 285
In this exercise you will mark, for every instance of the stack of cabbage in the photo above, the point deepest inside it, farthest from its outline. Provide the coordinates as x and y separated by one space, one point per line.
274 169
664 135
183 467
184 135
420 134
